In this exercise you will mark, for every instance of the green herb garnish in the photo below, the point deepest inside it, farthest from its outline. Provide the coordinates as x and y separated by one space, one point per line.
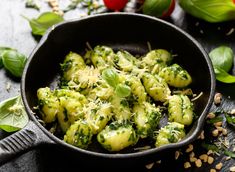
46 20
32 4
112 78
14 62
222 60
12 114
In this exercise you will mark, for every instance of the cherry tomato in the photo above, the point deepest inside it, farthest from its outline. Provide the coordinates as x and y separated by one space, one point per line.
170 9
115 5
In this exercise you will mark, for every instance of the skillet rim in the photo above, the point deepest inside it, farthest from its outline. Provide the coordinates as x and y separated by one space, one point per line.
198 124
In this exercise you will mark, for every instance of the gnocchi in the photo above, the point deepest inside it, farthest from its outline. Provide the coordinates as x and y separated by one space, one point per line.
118 99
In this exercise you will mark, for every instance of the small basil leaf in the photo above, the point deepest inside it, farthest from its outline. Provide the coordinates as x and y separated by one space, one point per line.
222 57
14 62
111 77
223 76
12 114
123 90
2 49
43 22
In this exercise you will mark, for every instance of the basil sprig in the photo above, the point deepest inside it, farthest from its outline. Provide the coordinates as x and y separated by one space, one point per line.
46 20
222 60
111 77
13 116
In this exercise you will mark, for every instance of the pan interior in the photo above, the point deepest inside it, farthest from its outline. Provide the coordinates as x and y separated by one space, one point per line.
128 32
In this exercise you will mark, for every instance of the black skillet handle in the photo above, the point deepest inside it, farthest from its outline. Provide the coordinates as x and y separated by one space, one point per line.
21 141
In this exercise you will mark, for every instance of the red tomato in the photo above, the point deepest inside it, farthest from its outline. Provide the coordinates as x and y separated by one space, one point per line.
115 5
170 9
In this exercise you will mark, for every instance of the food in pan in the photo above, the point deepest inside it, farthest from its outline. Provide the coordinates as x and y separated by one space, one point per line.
118 99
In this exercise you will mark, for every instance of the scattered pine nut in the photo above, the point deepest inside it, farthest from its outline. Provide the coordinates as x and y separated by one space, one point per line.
198 163
215 133
212 170
232 169
224 132
149 166
177 154
192 154
217 98
219 166
232 112
201 136
204 157
219 128
210 160
211 115
192 159
190 148
187 165
218 124
227 158
210 152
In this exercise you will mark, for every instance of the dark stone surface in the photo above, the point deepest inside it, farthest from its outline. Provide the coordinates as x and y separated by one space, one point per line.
15 32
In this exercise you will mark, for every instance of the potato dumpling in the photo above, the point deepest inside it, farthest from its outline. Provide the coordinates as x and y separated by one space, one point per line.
171 133
146 118
156 60
156 87
117 136
180 109
98 115
72 63
101 56
79 134
48 104
120 108
176 76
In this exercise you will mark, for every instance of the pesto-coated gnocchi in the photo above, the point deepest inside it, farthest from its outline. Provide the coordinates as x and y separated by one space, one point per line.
117 99
146 118
155 60
180 109
79 134
117 136
48 103
156 87
171 133
176 76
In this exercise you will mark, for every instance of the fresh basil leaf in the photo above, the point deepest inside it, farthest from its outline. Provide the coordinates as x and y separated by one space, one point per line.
43 22
14 62
2 49
222 57
12 114
123 90
210 10
223 76
229 153
111 77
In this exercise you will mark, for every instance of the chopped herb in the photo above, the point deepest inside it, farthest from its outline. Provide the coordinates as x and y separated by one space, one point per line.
32 4
210 147
214 120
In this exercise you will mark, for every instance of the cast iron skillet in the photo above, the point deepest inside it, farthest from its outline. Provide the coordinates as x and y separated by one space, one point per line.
126 31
